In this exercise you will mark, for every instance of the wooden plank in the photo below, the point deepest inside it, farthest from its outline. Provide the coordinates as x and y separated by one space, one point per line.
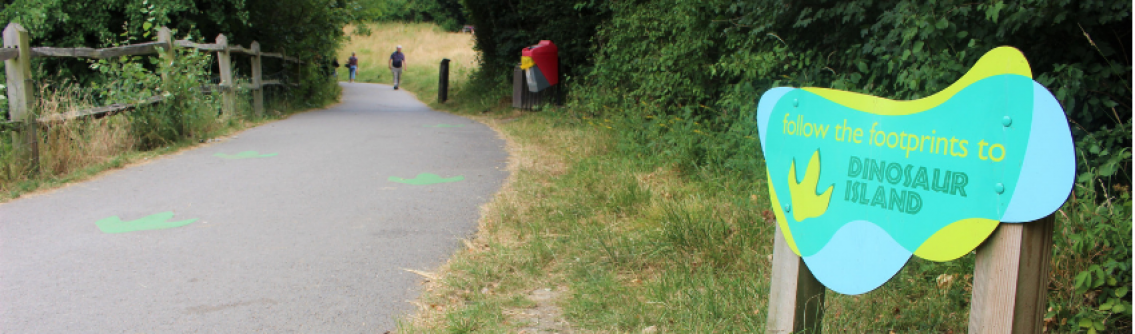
280 56
126 50
796 298
204 47
270 82
99 111
1010 281
241 49
9 53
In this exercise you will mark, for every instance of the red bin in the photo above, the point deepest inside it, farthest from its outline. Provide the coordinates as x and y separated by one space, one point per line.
541 65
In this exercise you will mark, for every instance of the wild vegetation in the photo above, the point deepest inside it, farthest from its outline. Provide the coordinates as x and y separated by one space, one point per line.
667 90
447 14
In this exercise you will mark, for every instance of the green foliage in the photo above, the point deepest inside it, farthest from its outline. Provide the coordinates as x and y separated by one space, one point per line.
445 13
1093 259
503 29
186 113
308 29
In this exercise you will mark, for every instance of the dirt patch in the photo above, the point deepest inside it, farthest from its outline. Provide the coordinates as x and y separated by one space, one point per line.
545 317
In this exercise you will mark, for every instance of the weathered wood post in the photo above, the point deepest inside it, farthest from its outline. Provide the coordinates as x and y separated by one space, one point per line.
796 298
228 90
165 35
257 82
1010 280
20 93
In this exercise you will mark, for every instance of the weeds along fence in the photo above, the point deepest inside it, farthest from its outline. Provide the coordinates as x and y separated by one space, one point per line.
17 55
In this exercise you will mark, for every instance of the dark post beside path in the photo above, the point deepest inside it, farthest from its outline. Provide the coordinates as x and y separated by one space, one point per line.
443 81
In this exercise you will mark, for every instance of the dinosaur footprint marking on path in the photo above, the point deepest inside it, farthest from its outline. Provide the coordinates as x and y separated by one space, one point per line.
244 155
155 221
426 178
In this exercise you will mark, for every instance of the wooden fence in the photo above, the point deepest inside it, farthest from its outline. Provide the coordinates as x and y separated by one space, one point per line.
17 55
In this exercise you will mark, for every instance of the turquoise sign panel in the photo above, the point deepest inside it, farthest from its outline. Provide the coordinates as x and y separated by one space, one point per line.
860 183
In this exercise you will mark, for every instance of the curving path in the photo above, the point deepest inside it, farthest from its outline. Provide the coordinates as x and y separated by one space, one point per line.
310 233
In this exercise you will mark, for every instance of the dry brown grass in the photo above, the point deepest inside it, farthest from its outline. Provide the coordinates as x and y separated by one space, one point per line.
75 144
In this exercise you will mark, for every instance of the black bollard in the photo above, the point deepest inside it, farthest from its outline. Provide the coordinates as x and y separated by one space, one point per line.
443 81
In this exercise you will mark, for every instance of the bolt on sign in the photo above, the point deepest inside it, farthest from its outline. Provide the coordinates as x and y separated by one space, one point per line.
860 183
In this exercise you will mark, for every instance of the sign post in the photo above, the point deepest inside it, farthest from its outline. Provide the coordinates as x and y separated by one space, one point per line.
796 298
1011 278
859 184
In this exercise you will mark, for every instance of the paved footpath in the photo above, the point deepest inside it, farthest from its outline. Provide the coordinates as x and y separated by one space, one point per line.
310 233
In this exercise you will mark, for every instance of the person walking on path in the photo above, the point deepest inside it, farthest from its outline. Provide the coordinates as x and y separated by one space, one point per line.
353 64
396 62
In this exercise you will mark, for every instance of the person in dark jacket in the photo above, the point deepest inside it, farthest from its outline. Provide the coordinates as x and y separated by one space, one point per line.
353 64
397 62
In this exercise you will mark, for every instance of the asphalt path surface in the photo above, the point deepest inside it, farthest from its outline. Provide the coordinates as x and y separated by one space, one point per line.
313 239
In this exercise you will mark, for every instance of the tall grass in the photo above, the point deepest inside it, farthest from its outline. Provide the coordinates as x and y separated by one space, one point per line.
73 144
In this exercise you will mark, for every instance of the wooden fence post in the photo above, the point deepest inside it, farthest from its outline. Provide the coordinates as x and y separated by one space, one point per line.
796 298
165 35
228 89
1010 281
257 87
20 94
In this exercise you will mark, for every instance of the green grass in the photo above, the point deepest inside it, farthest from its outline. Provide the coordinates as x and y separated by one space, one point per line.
637 244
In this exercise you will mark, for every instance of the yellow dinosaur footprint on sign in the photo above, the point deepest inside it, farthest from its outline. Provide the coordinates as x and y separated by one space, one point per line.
806 201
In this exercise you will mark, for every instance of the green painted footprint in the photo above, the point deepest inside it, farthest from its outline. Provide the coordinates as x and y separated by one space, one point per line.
425 178
244 155
152 222
445 126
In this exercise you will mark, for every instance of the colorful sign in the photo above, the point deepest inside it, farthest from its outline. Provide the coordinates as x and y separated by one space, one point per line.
860 183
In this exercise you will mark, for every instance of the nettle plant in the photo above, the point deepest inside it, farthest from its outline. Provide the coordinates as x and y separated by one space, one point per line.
186 110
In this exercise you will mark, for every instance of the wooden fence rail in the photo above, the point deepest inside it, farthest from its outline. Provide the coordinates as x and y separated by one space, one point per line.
17 55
